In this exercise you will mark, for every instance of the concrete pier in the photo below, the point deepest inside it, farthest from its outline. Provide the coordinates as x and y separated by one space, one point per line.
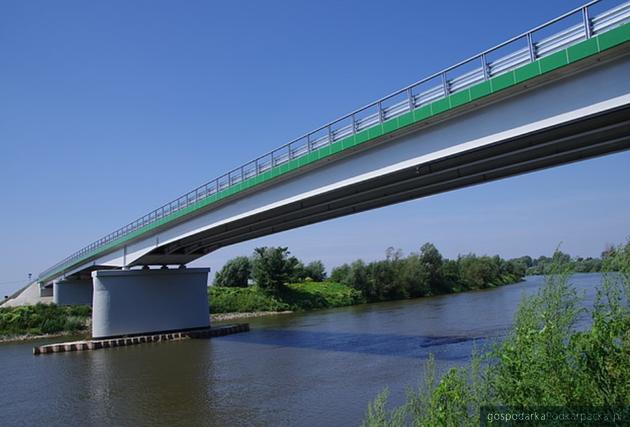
142 302
72 291
140 339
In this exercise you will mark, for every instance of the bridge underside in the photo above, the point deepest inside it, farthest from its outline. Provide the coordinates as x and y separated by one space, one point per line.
576 140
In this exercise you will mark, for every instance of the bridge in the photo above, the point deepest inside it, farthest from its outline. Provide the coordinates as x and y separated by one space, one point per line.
540 99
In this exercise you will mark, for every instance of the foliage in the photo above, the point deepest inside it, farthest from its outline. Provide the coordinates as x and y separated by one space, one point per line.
272 267
242 300
42 319
543 264
545 360
313 295
236 272
425 273
315 271
294 296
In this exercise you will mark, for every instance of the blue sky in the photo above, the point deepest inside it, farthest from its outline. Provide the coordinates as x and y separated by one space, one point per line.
109 109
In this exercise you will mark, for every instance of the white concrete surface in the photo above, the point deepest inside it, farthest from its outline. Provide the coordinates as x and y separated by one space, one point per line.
131 302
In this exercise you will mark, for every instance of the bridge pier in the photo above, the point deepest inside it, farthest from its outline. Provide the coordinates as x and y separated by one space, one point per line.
72 291
139 302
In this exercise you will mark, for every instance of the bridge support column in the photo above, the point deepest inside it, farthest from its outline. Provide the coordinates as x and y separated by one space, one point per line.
136 302
72 291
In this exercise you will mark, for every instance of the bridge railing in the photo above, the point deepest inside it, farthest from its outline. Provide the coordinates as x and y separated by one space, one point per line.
578 24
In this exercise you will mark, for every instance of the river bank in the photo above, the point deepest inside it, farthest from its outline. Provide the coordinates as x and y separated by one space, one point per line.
224 317
30 337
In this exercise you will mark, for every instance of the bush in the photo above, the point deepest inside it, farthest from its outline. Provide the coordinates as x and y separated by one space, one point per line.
425 273
272 267
313 295
236 272
315 271
295 296
42 319
242 300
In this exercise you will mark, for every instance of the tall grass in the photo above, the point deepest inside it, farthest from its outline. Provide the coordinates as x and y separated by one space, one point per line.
43 319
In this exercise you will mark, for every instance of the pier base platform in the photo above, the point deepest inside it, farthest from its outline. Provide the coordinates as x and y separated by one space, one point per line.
140 339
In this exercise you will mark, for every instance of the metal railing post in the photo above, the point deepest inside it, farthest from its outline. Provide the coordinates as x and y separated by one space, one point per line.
587 22
445 85
530 46
380 112
484 67
410 99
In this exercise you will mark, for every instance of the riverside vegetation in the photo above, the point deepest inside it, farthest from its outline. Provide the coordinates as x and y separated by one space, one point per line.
43 319
272 280
545 359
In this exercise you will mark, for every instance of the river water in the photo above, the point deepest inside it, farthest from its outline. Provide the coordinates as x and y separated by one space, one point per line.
310 369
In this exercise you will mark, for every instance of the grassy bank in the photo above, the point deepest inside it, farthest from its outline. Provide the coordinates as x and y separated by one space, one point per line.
294 297
41 319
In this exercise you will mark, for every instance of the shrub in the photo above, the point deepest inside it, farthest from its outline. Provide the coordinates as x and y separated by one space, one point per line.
42 319
236 272
295 296
272 267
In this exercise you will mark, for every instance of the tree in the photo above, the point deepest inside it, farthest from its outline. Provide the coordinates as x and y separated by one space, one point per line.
478 272
415 277
236 273
432 261
358 279
299 273
520 265
341 274
272 267
316 271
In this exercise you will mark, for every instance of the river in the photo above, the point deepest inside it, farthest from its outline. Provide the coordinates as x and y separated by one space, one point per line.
309 369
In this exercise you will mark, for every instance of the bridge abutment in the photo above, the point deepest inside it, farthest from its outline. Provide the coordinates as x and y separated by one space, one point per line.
72 291
134 302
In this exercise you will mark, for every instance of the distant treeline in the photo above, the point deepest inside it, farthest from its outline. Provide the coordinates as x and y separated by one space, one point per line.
425 273
543 264
395 277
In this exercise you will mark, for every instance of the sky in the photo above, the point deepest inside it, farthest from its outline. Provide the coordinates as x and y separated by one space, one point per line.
110 109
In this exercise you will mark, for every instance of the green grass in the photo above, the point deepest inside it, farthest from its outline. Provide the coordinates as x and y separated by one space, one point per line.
242 300
314 295
43 319
295 297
